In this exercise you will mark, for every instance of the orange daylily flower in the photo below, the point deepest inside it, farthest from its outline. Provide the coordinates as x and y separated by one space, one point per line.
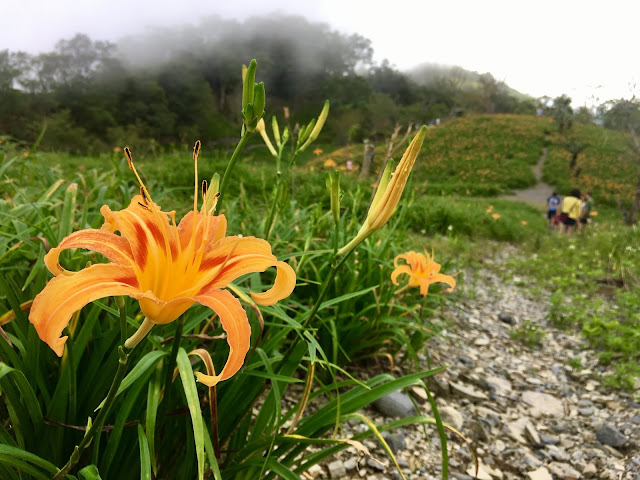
523 222
166 267
330 163
422 271
593 213
317 151
490 208
495 216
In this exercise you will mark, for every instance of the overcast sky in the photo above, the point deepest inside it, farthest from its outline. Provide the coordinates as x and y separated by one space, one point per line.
586 49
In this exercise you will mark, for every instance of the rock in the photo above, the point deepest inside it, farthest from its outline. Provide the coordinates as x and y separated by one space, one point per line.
540 474
482 473
452 417
337 470
531 433
350 464
543 403
506 318
590 470
438 385
548 439
481 342
498 385
395 441
395 404
586 412
564 471
316 471
463 391
376 465
419 395
530 461
609 435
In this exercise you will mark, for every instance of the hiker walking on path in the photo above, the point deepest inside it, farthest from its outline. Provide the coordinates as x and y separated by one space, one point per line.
571 209
552 208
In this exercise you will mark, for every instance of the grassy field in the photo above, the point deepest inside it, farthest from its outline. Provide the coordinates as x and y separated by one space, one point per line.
449 204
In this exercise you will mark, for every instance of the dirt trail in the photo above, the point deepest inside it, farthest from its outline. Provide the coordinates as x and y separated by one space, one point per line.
536 195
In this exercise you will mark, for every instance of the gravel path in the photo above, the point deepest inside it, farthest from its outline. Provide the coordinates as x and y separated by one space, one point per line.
538 194
530 413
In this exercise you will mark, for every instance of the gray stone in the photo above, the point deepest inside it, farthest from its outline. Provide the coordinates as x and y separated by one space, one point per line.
564 471
506 318
375 464
609 435
395 404
350 464
548 439
586 412
543 403
451 417
337 470
463 391
396 442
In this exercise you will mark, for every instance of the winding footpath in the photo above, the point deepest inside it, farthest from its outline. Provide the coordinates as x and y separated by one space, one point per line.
538 194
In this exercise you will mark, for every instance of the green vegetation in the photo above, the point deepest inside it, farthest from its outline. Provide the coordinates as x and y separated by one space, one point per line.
339 313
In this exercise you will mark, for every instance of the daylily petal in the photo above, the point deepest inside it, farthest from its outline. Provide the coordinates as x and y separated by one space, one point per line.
283 285
63 295
146 228
215 226
235 323
112 246
235 256
161 312
399 271
448 279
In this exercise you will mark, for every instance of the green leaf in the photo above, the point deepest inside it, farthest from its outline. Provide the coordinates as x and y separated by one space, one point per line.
153 399
14 452
346 297
193 401
145 459
145 363
90 472
211 456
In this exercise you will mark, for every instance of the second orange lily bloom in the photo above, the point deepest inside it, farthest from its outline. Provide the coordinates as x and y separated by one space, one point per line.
422 272
166 267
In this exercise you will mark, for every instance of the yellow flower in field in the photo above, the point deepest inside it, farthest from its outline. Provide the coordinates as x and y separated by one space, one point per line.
330 163
593 213
317 151
166 267
422 271
490 209
495 216
523 222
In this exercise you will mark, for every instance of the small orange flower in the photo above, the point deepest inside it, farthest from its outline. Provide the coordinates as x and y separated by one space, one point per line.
495 216
166 267
523 222
593 214
490 209
317 151
117 149
330 163
422 271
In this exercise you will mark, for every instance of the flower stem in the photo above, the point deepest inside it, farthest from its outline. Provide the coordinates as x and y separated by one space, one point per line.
86 440
274 208
232 162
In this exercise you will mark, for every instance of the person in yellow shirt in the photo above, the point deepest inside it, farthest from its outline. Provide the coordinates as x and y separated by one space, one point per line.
570 211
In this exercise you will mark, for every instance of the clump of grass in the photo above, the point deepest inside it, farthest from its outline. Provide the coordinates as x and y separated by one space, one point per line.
529 334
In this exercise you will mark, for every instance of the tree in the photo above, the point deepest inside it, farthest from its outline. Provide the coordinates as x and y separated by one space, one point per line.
563 113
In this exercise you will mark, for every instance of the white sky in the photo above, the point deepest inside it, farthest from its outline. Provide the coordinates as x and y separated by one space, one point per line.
586 49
